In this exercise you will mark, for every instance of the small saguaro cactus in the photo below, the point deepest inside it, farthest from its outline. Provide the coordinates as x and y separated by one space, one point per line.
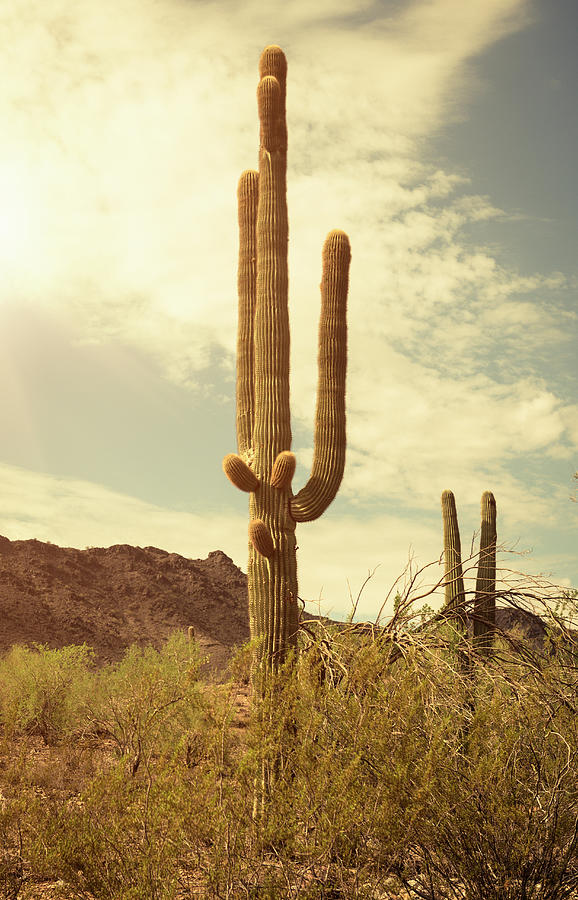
264 465
454 576
485 599
484 608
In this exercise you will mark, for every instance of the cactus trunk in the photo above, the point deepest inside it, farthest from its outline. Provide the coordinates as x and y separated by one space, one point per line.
454 576
485 599
484 611
264 465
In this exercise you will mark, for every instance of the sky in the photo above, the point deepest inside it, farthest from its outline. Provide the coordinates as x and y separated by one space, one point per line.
441 136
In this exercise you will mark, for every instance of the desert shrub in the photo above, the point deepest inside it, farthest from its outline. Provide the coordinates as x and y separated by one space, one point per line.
372 765
42 690
408 774
12 875
144 832
116 834
115 840
501 817
149 700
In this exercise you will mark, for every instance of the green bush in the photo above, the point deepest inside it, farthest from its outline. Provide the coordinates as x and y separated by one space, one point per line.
116 841
42 690
149 701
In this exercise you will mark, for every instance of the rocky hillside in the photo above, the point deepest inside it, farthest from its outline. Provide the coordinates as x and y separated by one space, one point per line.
112 597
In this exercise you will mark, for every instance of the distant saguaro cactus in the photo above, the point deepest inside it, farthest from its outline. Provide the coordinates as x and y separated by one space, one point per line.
264 465
454 576
484 607
485 599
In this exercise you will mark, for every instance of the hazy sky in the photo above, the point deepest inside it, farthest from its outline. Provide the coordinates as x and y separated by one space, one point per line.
441 135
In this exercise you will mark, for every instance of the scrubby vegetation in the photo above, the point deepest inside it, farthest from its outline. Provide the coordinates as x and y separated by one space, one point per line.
390 771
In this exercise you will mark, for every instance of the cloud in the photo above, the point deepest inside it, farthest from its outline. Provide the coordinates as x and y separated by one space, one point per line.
120 155
414 432
76 513
122 150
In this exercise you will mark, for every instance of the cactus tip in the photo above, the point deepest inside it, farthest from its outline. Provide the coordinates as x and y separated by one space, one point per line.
239 473
273 62
260 537
283 470
337 246
248 182
338 236
268 92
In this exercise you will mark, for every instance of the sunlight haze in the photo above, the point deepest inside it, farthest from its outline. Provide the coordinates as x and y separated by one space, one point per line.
441 136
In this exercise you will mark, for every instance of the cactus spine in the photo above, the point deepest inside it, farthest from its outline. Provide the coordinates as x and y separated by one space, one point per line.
264 465
485 599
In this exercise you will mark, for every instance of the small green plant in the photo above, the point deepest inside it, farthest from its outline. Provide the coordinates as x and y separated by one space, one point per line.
117 841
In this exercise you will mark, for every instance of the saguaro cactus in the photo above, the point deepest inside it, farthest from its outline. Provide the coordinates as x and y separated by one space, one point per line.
485 598
484 609
264 465
454 576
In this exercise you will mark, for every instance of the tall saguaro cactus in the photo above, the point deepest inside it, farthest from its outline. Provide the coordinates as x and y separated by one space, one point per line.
264 465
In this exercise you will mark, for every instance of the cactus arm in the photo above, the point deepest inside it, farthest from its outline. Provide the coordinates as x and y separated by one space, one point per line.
485 597
283 470
247 197
329 444
239 473
454 577
261 539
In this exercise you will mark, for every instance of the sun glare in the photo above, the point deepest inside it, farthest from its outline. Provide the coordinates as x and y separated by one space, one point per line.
15 219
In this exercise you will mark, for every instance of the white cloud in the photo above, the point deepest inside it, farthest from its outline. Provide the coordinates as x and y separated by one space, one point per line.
78 513
332 552
123 149
120 155
414 432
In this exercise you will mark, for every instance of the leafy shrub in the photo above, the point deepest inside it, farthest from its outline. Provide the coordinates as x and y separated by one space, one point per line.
42 690
149 700
117 840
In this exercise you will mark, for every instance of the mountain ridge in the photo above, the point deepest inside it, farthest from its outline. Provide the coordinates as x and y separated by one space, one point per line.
112 597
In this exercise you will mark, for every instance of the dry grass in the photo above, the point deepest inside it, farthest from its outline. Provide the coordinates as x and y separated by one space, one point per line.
388 770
